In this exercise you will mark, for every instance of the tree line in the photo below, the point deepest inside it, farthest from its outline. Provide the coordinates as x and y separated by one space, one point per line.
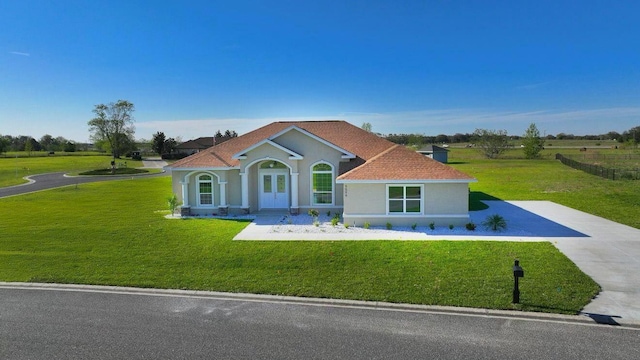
27 143
632 134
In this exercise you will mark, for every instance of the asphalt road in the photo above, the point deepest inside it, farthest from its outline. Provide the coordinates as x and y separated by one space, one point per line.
54 180
75 323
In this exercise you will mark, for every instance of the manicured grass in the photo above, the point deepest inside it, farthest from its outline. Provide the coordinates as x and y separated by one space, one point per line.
13 169
515 178
115 233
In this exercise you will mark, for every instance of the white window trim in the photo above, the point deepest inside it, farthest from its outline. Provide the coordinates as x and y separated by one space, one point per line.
333 183
404 212
198 182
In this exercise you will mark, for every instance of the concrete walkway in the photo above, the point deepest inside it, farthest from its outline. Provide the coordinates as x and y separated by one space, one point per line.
607 251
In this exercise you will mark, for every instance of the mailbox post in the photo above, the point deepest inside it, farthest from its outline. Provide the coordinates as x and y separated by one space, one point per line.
517 274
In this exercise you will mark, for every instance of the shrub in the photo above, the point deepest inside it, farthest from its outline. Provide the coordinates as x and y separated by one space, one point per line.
470 226
413 226
328 213
314 214
173 203
432 225
334 221
450 226
495 222
389 226
366 225
346 225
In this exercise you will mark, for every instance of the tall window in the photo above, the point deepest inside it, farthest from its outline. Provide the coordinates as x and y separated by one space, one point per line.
205 190
404 198
322 184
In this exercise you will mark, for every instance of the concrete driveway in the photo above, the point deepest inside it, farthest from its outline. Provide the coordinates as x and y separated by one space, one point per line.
610 255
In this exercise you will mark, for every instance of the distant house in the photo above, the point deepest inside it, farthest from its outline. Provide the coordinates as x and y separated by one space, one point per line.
199 144
324 165
436 153
196 145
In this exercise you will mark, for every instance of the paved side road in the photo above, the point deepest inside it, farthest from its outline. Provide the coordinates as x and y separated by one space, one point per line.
54 180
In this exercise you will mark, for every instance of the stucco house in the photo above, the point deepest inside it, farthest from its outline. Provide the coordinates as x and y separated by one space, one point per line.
324 165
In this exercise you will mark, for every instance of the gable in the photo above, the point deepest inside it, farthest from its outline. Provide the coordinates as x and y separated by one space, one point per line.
301 139
265 146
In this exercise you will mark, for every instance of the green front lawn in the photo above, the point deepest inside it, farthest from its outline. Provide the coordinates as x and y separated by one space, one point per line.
115 233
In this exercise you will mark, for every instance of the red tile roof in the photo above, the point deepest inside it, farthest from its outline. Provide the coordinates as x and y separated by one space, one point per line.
376 158
403 164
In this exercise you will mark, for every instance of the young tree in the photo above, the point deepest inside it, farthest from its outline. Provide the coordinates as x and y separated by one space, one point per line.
113 123
28 146
157 143
532 142
491 143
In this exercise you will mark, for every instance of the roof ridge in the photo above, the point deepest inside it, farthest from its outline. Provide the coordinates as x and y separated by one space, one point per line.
394 146
382 153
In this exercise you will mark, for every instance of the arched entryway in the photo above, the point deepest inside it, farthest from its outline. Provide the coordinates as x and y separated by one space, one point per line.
273 185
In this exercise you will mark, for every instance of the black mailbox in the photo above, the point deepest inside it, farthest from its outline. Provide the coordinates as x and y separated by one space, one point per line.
517 273
517 270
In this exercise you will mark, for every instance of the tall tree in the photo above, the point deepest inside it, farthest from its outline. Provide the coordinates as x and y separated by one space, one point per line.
491 143
532 142
46 141
113 123
157 143
367 127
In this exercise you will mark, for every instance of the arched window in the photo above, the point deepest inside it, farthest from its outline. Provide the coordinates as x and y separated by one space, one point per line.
322 184
205 190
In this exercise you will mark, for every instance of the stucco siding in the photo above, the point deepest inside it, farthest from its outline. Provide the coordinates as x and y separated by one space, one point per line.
443 203
234 189
365 199
445 198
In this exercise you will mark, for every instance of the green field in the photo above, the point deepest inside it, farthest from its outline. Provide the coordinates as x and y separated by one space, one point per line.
548 179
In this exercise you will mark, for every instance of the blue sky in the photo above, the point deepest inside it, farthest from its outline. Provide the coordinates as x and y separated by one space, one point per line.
428 67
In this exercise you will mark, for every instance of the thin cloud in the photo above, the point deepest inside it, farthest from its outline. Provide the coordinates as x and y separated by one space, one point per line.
428 122
19 53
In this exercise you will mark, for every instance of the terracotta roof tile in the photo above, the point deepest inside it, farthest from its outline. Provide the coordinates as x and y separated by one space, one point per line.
401 163
376 158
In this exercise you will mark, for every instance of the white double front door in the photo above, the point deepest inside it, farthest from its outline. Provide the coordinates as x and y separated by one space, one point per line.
274 189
